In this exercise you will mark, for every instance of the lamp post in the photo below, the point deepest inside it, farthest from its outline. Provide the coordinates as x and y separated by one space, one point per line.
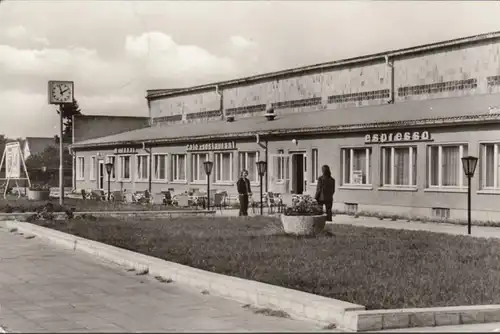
208 170
469 164
261 167
109 169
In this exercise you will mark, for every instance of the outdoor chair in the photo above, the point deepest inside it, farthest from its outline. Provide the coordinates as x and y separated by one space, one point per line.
129 198
275 202
168 197
219 199
182 200
117 196
97 195
158 199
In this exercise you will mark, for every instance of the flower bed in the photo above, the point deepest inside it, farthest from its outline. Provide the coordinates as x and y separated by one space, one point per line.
375 267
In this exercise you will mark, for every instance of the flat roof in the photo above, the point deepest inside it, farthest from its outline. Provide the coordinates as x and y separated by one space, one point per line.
459 109
157 93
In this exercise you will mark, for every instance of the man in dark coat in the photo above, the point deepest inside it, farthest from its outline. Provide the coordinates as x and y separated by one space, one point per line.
325 190
244 191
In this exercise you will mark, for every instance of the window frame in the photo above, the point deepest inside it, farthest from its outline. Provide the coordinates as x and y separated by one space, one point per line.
175 170
256 179
461 183
80 163
93 168
196 156
121 157
315 166
138 158
281 163
368 166
113 172
154 177
231 167
391 185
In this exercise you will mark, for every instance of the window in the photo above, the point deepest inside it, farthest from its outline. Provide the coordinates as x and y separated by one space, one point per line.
281 166
178 167
356 166
445 165
92 168
142 168
399 166
490 166
160 167
81 168
197 168
248 161
124 167
315 166
112 159
223 167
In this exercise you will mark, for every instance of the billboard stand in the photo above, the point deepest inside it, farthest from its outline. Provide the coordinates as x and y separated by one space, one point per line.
12 157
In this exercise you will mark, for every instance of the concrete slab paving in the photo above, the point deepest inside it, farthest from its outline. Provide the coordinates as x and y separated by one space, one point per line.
44 288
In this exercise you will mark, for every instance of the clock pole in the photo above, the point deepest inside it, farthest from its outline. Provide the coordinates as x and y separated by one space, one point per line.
61 157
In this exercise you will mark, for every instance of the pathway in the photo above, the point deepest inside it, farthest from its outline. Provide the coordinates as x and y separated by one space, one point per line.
47 289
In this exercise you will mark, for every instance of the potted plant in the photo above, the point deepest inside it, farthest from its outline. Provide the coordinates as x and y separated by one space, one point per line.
39 192
304 217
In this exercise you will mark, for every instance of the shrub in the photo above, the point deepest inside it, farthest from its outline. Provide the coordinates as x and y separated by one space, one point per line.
303 206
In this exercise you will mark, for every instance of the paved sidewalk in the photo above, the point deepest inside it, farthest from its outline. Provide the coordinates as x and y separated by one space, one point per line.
44 288
476 231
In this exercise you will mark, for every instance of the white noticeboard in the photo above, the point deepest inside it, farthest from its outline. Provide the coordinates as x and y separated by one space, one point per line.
13 161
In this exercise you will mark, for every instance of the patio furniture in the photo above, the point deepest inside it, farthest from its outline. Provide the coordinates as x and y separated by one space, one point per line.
182 200
117 196
219 200
97 195
275 202
158 199
129 198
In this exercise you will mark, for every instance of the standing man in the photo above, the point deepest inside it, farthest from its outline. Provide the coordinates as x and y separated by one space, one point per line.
325 191
244 191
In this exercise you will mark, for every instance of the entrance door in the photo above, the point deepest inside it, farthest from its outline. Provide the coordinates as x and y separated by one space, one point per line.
298 173
100 178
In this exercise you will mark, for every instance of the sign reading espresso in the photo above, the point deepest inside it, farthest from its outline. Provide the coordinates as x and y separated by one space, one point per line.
125 150
212 146
396 137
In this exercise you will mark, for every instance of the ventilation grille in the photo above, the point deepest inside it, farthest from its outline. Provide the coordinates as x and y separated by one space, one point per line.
244 110
351 207
362 96
448 86
441 213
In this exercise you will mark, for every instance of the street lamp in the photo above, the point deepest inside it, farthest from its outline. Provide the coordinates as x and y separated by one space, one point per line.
109 169
469 164
208 170
261 167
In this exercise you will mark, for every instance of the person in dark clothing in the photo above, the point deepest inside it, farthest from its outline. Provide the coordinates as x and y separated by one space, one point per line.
325 191
244 191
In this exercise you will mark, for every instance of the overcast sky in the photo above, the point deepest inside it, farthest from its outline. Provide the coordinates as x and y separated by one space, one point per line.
115 50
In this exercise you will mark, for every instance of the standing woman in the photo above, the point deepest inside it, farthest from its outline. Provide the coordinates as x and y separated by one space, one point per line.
244 191
325 190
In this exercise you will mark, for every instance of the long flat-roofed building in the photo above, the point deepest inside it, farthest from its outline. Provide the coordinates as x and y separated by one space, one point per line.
392 126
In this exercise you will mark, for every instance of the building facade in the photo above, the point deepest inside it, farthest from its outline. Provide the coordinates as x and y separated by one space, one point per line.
392 126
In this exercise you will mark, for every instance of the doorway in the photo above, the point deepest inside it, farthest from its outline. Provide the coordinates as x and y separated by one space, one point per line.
298 173
100 178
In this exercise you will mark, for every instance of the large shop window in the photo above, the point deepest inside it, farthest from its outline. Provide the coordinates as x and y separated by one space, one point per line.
93 164
178 167
445 165
490 166
197 169
112 160
248 161
80 164
142 168
315 166
160 167
124 167
223 167
399 166
356 166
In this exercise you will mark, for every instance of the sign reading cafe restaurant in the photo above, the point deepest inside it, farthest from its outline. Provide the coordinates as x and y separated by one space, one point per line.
211 146
396 137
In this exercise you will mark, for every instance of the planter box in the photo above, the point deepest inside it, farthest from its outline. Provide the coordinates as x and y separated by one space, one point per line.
303 225
38 195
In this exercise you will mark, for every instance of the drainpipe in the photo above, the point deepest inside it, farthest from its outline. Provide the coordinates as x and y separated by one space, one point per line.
390 65
221 103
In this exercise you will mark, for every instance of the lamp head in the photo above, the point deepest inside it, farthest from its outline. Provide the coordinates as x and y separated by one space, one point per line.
109 167
261 167
208 167
469 164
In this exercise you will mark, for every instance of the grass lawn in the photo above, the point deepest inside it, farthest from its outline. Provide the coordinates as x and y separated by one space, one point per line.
378 268
25 205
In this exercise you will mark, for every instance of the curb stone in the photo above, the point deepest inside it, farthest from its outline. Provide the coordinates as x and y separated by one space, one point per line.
299 305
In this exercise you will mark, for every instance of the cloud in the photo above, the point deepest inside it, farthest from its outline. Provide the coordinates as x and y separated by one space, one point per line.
242 42
21 34
165 58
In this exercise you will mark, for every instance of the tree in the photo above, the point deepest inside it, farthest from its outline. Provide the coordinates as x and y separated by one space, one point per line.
69 110
50 160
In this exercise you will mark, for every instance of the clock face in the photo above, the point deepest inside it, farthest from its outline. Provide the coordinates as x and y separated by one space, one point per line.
61 92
